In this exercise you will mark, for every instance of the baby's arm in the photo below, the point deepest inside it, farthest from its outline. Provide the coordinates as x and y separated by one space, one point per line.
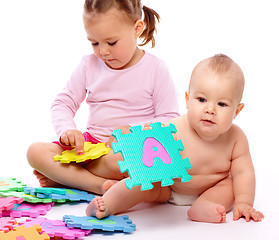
243 175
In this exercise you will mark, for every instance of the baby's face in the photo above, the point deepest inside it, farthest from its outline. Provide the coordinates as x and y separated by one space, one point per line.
213 102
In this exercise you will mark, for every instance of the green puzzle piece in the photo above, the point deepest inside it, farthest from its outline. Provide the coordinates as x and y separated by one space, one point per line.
11 184
162 164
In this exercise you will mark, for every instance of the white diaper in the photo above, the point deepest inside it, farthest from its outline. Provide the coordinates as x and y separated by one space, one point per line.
182 199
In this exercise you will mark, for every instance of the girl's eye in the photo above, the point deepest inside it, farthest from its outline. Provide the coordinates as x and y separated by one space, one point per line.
112 43
221 104
95 44
201 99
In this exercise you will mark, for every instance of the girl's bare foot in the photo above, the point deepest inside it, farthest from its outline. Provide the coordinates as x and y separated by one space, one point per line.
207 212
108 184
44 181
97 208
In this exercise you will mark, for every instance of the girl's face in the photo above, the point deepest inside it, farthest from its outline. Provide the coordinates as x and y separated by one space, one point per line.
114 38
213 103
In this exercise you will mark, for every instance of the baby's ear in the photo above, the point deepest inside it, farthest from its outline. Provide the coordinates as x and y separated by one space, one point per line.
238 109
187 98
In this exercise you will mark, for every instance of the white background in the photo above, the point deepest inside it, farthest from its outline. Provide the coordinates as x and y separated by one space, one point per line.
41 42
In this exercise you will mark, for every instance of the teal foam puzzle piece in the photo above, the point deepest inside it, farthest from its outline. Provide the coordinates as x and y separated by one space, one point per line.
11 184
60 193
110 223
135 149
44 190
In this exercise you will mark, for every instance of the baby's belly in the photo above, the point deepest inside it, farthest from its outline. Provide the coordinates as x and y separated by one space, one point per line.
198 184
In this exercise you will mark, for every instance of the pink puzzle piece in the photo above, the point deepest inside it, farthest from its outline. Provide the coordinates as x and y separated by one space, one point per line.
8 203
28 210
56 228
6 224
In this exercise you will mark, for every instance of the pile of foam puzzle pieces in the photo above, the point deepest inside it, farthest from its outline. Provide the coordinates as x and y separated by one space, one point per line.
28 204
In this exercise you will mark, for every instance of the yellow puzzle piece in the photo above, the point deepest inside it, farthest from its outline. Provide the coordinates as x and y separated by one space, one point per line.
91 151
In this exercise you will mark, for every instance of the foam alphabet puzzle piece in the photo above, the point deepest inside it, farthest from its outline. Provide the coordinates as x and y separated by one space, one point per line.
151 156
110 223
30 198
8 203
28 210
91 151
44 190
11 184
60 193
6 223
56 228
22 233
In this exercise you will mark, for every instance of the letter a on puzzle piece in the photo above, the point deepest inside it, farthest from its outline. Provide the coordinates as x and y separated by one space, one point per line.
151 156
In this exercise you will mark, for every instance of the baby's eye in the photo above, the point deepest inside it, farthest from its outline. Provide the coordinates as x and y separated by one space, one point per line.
201 99
112 43
221 104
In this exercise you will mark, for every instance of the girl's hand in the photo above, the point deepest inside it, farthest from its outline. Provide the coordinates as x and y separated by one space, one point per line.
125 129
247 211
73 138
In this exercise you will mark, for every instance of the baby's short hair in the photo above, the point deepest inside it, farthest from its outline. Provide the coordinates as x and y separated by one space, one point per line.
220 63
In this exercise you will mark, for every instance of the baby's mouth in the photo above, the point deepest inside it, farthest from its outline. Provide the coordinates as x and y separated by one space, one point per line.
207 121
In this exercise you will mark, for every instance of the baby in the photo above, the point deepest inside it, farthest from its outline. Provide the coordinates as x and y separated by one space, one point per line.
222 170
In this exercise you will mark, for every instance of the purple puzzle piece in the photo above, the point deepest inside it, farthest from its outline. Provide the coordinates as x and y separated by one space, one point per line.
6 224
56 228
28 210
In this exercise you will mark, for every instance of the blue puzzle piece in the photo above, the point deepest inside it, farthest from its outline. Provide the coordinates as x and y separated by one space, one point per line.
60 193
110 223
151 156
44 190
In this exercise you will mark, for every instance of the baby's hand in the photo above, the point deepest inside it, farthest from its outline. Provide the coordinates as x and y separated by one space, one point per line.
148 127
247 211
125 129
73 138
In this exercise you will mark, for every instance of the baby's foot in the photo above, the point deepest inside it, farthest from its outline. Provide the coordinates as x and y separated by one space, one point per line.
207 212
44 181
108 184
97 208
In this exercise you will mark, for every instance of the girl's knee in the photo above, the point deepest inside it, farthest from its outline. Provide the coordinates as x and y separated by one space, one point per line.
39 151
32 153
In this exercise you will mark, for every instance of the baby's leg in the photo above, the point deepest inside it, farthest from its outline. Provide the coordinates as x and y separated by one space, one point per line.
213 204
118 199
40 157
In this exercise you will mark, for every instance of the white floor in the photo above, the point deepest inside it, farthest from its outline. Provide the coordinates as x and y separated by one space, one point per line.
166 221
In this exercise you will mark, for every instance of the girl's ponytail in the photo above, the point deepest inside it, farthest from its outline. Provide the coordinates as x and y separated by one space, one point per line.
150 17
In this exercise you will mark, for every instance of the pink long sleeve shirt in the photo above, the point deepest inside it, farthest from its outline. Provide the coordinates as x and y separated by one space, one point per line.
142 93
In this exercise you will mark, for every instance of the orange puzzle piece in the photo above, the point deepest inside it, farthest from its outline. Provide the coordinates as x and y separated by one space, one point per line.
22 233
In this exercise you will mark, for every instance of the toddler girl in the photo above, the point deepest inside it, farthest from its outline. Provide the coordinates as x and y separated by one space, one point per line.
123 86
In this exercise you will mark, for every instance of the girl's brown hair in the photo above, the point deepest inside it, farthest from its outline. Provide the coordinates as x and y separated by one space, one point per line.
133 9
